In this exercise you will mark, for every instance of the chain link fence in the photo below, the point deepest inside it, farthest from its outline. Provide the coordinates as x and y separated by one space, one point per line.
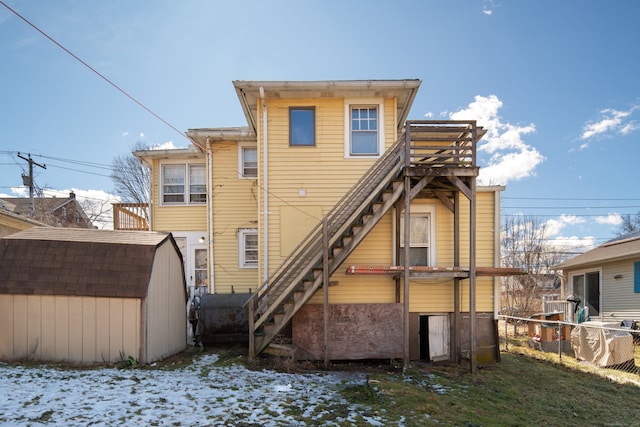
610 349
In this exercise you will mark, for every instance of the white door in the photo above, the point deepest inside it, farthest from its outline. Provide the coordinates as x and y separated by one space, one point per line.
438 338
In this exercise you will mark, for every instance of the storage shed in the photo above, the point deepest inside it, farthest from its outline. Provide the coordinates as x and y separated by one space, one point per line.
83 296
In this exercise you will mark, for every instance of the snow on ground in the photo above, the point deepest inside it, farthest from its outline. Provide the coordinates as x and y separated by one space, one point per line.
200 394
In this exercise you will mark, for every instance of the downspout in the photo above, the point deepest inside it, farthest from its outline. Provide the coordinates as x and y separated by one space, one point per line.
265 191
210 215
497 252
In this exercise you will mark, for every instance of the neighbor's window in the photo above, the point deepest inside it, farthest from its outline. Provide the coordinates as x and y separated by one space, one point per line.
302 126
247 162
180 187
364 130
248 247
636 277
419 235
587 288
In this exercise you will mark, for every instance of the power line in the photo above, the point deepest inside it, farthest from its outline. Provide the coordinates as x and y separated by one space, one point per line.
102 76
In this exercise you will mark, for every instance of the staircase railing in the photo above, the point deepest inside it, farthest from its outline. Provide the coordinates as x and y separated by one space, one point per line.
308 253
423 144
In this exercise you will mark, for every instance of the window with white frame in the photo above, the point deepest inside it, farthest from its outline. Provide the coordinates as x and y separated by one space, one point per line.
248 247
183 184
197 184
247 161
422 247
586 287
364 123
419 239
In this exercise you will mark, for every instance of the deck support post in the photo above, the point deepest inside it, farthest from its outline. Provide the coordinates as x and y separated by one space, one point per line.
252 332
325 288
456 281
407 246
472 277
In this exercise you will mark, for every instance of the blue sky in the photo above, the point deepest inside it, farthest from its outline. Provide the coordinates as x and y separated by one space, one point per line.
555 82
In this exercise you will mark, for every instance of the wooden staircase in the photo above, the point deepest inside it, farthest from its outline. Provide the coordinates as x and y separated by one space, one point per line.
425 150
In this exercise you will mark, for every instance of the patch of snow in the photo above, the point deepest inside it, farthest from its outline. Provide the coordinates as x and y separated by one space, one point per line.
197 395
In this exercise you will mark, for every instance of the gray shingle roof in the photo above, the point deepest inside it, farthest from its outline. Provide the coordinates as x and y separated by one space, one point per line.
80 262
626 246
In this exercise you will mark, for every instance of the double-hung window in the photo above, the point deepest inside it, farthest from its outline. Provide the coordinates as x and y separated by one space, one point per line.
248 247
197 184
364 127
183 184
422 235
247 161
419 231
302 126
364 131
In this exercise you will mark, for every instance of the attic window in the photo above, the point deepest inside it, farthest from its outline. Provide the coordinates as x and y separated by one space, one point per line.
364 128
302 126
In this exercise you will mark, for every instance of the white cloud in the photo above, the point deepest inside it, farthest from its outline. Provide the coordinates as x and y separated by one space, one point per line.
554 226
169 145
610 121
429 115
611 219
572 243
511 158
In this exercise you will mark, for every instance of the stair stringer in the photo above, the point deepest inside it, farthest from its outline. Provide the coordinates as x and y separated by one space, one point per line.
301 297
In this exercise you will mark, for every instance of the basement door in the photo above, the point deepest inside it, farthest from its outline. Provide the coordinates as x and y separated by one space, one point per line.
434 338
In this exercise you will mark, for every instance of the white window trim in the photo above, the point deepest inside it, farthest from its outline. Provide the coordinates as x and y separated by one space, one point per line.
242 146
242 232
192 242
187 177
348 103
433 244
584 273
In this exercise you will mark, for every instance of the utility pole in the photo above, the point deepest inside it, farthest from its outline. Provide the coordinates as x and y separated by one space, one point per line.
29 180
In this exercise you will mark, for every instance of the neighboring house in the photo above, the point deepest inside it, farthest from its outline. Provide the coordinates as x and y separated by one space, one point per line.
85 296
335 161
11 223
607 279
179 206
53 211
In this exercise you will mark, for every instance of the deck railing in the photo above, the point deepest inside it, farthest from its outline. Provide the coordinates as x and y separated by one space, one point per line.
130 216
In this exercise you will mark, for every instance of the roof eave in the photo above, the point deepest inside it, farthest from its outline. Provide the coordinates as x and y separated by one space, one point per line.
248 93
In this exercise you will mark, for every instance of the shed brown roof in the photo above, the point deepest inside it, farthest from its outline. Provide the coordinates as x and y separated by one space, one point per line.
80 262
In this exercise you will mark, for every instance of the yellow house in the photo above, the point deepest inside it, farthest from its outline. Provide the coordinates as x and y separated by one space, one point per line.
179 206
305 209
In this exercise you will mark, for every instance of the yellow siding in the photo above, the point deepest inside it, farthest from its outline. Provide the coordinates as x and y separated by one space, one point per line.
234 207
174 217
434 295
322 170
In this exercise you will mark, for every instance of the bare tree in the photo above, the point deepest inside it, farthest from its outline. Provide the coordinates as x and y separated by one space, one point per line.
629 223
525 246
131 177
